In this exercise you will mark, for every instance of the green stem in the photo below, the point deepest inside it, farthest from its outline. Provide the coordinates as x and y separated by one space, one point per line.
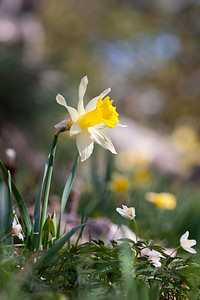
47 186
136 230
176 249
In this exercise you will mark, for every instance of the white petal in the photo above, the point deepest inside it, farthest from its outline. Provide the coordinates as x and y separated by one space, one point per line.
92 104
62 124
75 129
127 217
20 236
120 211
102 139
124 206
133 212
192 243
14 223
184 237
191 250
100 126
61 100
120 125
155 260
157 264
72 111
85 145
81 93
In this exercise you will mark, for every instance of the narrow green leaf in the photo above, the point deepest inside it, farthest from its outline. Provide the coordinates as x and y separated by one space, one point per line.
66 192
36 216
26 222
5 224
47 185
154 292
47 256
81 231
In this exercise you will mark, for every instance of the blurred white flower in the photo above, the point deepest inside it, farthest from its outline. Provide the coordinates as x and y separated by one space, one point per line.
126 212
187 244
155 260
88 123
17 229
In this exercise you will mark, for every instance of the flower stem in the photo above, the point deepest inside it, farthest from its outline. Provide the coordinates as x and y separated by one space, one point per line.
136 230
47 186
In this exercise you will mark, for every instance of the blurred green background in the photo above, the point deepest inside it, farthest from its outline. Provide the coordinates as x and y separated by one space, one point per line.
147 51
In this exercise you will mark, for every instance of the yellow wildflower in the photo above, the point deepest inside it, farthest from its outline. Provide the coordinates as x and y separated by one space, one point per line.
141 176
162 200
120 184
185 138
130 159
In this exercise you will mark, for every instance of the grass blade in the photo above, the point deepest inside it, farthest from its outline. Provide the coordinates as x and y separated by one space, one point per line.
47 256
36 216
47 186
5 211
66 192
26 222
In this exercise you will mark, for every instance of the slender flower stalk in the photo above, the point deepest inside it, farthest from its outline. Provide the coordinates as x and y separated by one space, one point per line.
136 230
47 186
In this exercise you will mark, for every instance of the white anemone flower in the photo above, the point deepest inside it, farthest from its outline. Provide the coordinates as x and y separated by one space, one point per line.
88 123
17 229
187 244
126 212
154 258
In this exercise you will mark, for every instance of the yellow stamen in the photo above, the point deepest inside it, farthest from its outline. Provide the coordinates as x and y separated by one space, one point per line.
19 229
187 243
104 113
129 212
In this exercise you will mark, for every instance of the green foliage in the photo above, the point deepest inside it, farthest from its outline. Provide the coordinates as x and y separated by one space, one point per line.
47 183
5 211
46 258
92 270
20 204
66 191
49 231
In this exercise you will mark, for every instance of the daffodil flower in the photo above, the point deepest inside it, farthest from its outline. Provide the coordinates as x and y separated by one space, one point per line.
126 212
17 229
187 244
88 123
